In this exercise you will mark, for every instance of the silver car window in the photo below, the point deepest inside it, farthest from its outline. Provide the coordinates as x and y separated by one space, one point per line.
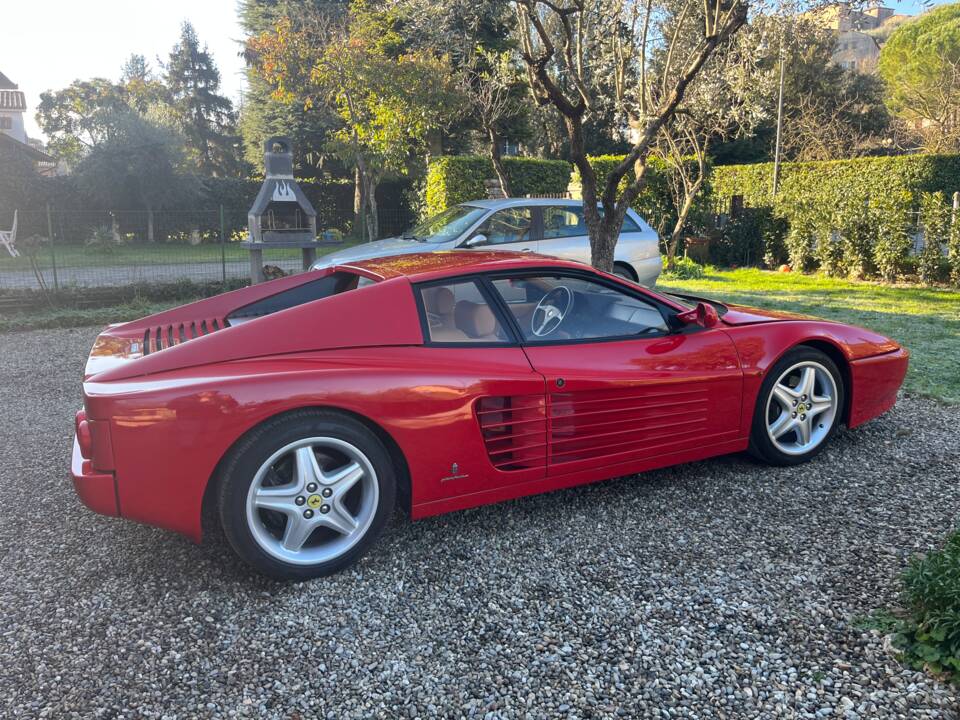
511 225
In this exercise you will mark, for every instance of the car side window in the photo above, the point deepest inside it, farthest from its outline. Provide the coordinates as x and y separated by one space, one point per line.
457 312
556 308
510 225
561 222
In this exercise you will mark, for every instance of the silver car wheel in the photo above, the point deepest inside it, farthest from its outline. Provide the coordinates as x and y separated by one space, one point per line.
801 408
312 500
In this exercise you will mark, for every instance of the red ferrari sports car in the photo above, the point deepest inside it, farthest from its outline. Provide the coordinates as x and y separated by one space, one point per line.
301 411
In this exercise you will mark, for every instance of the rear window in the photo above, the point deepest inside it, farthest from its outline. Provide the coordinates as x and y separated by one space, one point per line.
328 286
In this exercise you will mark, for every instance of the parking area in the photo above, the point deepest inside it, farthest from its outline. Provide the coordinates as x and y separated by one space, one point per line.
717 589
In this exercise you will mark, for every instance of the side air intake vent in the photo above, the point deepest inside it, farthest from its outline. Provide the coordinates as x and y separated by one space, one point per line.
514 431
164 336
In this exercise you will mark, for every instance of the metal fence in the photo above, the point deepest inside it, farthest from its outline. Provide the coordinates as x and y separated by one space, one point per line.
62 250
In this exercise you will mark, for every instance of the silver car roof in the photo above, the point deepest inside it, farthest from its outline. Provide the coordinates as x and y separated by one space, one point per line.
512 202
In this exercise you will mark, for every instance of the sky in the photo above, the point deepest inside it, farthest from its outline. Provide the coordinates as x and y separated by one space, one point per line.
59 41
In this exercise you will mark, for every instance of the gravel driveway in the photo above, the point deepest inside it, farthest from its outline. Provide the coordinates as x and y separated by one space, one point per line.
719 589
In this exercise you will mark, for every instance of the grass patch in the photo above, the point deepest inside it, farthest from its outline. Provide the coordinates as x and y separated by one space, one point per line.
924 320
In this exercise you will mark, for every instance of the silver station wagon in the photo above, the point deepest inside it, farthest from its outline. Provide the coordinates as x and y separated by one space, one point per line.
548 227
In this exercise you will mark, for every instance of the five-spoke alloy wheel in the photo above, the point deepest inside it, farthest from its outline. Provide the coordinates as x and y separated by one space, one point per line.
798 409
305 494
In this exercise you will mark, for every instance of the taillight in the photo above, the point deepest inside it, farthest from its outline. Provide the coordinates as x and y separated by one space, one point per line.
84 438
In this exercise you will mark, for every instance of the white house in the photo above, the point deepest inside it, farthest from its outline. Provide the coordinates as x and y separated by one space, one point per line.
13 134
13 105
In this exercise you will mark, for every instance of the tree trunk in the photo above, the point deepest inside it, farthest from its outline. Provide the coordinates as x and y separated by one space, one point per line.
497 159
150 233
688 200
369 185
358 201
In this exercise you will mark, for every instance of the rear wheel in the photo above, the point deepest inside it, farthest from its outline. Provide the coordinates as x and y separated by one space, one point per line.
624 271
798 408
306 494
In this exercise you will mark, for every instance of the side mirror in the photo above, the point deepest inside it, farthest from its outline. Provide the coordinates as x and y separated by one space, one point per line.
476 241
704 315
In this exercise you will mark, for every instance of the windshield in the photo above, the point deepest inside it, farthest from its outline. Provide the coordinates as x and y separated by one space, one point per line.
448 225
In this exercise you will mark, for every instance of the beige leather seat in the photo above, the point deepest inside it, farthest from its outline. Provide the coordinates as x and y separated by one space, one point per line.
477 321
439 303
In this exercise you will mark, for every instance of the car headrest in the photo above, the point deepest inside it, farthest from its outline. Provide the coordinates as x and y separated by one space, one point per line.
439 300
474 319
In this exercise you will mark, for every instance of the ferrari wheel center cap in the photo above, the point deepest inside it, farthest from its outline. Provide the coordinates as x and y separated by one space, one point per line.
314 501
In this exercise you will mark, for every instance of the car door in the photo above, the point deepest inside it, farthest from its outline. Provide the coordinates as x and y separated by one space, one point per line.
491 419
512 228
565 233
622 386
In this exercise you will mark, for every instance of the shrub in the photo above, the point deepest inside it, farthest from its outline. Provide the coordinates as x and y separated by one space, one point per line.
855 235
752 237
684 268
454 179
801 240
935 221
892 245
929 634
102 240
953 251
867 232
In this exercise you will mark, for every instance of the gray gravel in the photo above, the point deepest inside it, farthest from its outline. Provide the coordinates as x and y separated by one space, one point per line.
719 589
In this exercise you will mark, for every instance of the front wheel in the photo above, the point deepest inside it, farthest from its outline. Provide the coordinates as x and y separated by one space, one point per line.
798 408
306 494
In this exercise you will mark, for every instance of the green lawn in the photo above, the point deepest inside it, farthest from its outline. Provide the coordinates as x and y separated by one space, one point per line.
155 254
925 320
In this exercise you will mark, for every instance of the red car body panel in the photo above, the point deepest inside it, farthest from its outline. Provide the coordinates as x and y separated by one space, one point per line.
468 425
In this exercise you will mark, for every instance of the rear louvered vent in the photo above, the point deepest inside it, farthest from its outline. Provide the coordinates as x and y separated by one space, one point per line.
599 423
164 336
514 431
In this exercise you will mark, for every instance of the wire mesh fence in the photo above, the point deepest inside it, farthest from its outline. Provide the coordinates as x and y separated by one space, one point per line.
61 250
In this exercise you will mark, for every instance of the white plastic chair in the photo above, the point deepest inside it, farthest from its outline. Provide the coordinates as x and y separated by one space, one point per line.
8 238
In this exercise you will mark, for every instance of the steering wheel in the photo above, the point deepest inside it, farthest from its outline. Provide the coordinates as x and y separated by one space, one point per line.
551 310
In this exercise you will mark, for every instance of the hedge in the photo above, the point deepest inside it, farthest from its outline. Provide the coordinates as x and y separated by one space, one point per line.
810 185
856 217
75 217
453 179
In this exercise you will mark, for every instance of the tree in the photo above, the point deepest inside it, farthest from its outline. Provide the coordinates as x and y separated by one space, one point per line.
264 114
78 117
205 117
134 165
561 74
489 85
388 99
920 65
726 99
144 90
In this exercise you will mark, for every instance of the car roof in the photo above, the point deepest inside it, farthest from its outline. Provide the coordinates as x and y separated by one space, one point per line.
421 267
514 202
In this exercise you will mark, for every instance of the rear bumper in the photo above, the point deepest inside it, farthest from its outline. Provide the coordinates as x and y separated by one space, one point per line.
875 382
97 490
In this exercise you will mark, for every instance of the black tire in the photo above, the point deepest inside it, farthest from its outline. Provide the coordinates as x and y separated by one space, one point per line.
243 462
761 445
623 270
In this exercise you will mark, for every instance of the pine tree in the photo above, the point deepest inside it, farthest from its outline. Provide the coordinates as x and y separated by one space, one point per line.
205 117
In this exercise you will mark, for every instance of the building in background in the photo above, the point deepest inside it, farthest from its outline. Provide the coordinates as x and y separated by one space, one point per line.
860 33
13 134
